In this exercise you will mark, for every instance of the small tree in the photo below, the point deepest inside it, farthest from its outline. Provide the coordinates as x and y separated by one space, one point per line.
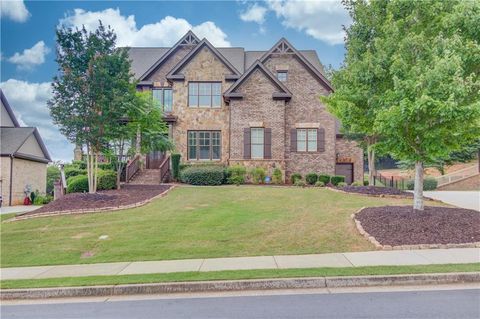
433 107
92 90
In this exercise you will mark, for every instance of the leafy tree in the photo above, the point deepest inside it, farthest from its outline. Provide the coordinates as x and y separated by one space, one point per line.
433 107
361 82
92 91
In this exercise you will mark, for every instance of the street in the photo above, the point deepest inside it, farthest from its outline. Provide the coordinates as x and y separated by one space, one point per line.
457 302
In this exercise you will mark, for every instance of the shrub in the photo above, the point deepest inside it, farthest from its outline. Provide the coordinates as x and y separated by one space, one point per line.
324 178
342 184
295 177
176 165
337 179
79 164
366 183
258 175
71 171
428 184
357 184
77 184
300 183
53 174
42 200
277 177
203 175
236 174
106 180
311 178
319 184
107 166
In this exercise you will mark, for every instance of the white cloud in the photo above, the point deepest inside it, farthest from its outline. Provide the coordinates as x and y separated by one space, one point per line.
15 10
254 13
165 32
322 19
29 103
30 57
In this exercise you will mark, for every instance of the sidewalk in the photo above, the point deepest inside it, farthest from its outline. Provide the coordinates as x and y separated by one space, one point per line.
18 209
358 259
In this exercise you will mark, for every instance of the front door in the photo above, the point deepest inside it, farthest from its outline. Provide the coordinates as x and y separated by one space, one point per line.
154 159
345 169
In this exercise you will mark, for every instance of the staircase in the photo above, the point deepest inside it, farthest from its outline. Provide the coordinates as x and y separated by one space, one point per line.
146 177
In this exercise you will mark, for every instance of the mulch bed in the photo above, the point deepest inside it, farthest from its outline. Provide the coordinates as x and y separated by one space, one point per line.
127 195
374 190
402 225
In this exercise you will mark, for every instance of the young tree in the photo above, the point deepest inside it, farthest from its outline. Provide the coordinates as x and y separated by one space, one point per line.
433 106
92 90
361 82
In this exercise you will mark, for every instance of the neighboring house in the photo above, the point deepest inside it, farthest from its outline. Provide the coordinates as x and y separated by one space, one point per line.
24 158
254 108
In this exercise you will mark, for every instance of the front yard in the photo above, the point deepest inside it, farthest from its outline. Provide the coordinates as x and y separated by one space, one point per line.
196 222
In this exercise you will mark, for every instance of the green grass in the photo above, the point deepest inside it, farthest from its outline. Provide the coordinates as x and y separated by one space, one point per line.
235 275
196 222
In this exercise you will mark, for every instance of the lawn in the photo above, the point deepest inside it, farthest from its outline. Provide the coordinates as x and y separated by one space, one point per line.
196 222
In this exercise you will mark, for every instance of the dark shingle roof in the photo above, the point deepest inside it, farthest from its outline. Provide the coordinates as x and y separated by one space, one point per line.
144 58
12 138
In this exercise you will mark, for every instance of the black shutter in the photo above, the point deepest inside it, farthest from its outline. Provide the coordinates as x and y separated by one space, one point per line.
246 143
321 140
293 140
267 143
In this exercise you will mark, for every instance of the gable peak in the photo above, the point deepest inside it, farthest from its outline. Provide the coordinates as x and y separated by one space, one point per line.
283 47
189 39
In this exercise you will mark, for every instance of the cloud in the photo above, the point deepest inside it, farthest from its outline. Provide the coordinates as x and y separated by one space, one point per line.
14 10
254 13
323 20
30 57
29 103
165 32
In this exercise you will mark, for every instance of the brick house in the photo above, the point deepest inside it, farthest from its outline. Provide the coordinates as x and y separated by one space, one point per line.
254 108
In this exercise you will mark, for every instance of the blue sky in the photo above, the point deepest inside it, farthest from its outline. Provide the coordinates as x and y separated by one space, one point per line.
28 39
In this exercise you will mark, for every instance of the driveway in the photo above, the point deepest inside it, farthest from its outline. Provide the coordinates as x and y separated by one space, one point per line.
18 209
464 199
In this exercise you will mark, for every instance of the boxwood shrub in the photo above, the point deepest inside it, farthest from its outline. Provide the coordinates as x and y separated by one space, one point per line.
295 176
203 175
311 178
106 180
336 179
176 165
71 171
324 178
77 184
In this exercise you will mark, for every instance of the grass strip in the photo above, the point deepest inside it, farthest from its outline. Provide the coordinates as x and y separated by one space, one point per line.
235 275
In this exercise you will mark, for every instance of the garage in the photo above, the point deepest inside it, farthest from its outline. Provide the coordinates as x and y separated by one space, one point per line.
345 169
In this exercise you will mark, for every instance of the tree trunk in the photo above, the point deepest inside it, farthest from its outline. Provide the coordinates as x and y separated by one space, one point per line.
371 164
418 188
138 141
89 168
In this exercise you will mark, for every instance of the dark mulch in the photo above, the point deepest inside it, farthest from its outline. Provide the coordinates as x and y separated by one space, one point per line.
375 190
129 194
402 225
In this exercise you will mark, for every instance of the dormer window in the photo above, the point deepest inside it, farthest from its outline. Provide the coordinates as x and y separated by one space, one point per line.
282 76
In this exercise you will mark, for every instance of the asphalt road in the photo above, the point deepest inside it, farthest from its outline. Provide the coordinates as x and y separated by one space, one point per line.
464 303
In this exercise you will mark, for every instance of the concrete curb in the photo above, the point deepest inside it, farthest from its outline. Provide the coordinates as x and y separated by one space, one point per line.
238 285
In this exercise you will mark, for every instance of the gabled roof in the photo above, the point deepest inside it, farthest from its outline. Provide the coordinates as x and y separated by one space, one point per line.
9 109
284 95
188 39
173 74
284 47
12 139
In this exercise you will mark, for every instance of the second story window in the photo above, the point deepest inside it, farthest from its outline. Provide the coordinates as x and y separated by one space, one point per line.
306 140
164 98
282 76
205 94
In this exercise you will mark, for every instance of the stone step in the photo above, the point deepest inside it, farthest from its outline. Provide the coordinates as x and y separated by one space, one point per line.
147 177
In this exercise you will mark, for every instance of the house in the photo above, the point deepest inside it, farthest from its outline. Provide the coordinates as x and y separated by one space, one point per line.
24 158
253 108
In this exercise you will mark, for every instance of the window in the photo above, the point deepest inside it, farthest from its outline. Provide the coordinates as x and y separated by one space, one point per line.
164 97
282 76
205 94
256 142
204 145
307 140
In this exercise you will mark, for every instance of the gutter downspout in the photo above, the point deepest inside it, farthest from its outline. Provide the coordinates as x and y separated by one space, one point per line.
11 181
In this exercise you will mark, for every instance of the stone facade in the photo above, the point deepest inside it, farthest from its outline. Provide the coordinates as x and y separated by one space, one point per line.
258 108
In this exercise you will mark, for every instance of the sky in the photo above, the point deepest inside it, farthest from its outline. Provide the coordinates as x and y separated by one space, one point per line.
28 39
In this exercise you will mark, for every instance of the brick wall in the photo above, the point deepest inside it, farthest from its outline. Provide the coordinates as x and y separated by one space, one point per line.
350 151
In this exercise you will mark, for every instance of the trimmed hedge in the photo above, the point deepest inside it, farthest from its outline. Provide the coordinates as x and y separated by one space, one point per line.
203 175
336 179
236 174
176 165
300 183
295 176
77 184
324 178
106 180
71 171
311 178
429 184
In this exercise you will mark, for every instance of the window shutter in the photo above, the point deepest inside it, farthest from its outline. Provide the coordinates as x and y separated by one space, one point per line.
293 140
321 140
246 143
267 143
